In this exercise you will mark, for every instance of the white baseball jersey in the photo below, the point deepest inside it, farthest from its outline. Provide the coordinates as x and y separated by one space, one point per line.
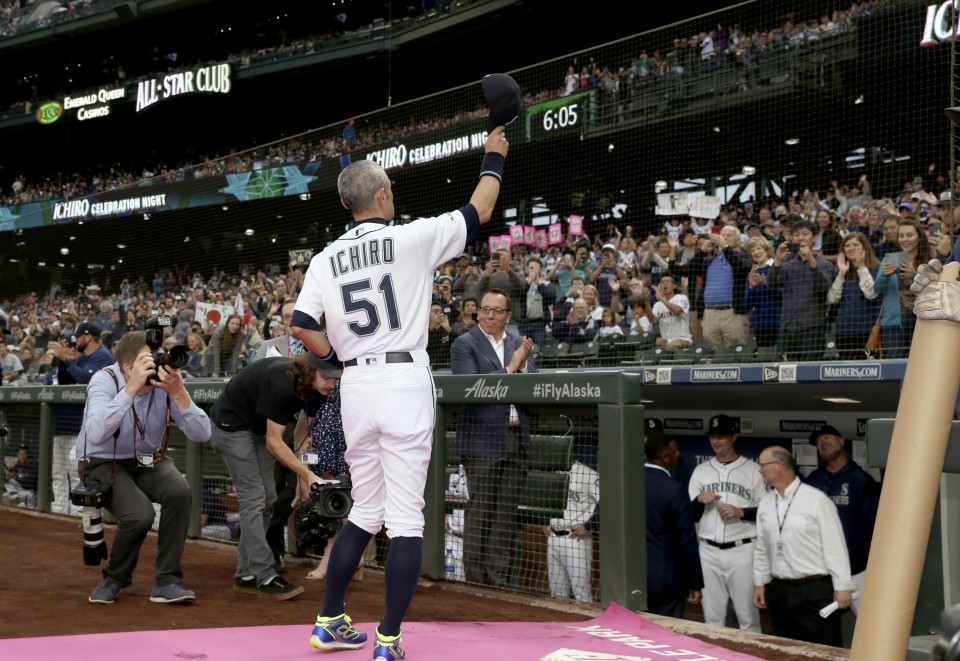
674 326
738 483
375 283
582 497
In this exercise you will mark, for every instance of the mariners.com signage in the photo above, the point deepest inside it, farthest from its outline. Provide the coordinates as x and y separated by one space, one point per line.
210 79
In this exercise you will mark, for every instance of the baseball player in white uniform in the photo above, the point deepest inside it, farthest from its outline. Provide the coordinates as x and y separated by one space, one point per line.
725 492
374 285
569 540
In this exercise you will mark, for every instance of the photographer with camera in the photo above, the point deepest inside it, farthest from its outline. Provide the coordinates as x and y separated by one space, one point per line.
250 418
124 465
80 355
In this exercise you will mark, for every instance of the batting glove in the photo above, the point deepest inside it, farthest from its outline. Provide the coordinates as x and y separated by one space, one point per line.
936 299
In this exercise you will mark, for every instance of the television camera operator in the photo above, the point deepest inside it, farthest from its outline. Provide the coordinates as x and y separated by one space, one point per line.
122 448
250 418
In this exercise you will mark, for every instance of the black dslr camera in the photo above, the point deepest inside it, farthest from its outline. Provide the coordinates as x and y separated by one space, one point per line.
176 358
315 520
89 493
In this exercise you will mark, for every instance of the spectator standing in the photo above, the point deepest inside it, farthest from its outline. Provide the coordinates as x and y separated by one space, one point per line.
724 270
467 283
535 306
226 345
800 562
893 283
805 277
725 492
671 313
493 442
468 317
130 405
854 295
80 357
562 274
674 575
607 272
826 238
439 336
763 302
855 494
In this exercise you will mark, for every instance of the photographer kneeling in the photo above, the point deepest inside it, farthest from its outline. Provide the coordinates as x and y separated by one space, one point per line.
124 438
250 417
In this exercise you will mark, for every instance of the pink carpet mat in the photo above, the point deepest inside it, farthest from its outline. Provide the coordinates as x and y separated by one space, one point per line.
616 635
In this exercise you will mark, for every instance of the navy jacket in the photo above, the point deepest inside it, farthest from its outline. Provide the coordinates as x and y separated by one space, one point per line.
482 429
673 553
856 495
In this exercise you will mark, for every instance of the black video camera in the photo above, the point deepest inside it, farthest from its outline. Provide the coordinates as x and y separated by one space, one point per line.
315 520
89 493
176 358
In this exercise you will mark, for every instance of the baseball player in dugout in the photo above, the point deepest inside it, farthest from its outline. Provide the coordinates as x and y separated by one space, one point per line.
725 492
856 495
374 284
494 442
800 561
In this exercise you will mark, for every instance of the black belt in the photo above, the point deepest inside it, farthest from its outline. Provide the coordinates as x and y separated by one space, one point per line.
717 307
801 581
560 533
390 357
729 545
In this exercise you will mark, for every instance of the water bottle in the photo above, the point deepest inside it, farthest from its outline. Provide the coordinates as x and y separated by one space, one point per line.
448 565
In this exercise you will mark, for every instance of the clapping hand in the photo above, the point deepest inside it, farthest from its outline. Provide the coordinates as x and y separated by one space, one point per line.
842 265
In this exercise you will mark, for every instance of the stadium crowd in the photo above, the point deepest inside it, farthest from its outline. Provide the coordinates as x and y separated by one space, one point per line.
735 282
723 48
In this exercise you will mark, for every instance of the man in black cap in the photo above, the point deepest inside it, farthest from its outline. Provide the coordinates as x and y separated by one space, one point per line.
856 495
249 420
81 355
725 492
679 470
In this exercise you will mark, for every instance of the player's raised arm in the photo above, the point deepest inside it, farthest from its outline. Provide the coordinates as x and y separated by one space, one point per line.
491 173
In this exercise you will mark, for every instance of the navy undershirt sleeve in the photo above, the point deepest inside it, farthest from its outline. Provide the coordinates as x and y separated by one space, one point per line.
473 223
301 319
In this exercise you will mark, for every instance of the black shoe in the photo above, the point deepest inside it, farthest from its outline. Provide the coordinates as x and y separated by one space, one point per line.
279 589
245 585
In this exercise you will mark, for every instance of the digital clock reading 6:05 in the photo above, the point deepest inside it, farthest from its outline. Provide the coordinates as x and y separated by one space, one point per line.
559 117
556 119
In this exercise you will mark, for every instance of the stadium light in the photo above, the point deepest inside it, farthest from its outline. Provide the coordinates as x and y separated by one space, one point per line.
64 251
248 231
792 141
749 170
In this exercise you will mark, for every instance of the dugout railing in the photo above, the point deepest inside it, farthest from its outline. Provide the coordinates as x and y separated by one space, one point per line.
598 412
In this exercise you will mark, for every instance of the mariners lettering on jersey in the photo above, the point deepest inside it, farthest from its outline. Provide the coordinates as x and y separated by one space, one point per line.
727 487
370 252
842 498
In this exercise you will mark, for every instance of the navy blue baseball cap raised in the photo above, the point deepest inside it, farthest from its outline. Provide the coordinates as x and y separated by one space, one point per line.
503 98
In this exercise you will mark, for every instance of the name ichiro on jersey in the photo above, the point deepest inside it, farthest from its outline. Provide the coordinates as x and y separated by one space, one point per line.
727 487
371 252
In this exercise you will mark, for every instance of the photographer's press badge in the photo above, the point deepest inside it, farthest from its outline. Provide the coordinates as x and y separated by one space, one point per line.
145 460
